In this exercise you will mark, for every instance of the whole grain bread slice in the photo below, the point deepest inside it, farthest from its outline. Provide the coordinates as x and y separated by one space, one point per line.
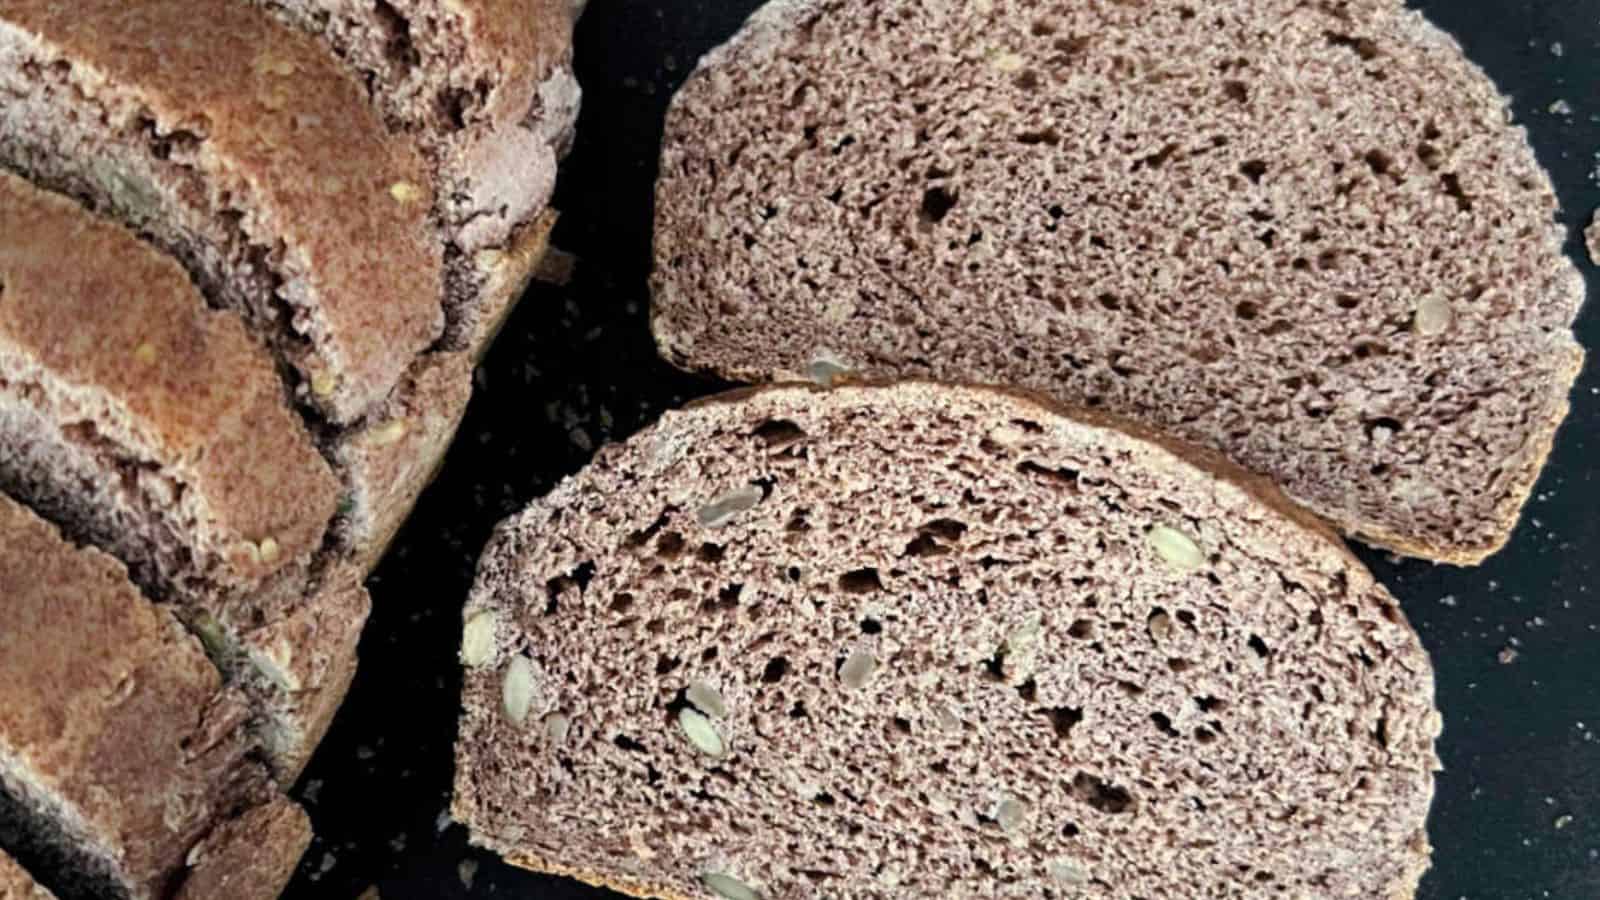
920 640
1301 233
486 87
15 884
158 430
120 748
236 144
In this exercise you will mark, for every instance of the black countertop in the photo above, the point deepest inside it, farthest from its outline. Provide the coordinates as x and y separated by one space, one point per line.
1516 642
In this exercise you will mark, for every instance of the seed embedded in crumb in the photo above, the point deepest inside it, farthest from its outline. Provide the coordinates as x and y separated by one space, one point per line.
707 699
145 353
405 192
1434 316
825 372
389 432
1067 872
1178 549
728 887
478 639
1008 62
1160 626
700 732
556 727
517 691
323 383
722 510
1012 814
858 669
269 550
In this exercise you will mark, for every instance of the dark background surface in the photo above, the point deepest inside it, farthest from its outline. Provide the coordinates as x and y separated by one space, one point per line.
1516 642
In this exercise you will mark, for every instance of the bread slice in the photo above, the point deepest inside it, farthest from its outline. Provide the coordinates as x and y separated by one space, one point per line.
120 749
932 641
15 884
236 144
486 87
158 430
1301 233
253 855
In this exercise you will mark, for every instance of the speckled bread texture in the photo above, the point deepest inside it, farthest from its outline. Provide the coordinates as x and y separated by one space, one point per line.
252 856
1302 233
938 641
16 884
235 143
486 87
158 430
1591 238
120 749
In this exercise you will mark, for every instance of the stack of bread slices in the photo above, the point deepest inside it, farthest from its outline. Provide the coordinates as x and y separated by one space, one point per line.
1066 634
249 253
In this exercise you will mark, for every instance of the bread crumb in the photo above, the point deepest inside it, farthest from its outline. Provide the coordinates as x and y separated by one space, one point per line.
556 268
1507 656
1591 237
467 871
1561 108
1563 822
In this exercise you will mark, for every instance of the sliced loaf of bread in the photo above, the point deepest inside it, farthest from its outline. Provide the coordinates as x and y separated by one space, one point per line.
120 749
15 884
929 641
240 147
1301 233
158 430
486 87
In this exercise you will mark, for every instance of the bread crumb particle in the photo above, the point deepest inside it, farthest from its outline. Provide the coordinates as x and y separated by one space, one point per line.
1507 656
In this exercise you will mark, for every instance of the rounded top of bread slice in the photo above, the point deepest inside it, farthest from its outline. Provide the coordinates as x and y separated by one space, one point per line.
926 640
290 152
108 337
1302 233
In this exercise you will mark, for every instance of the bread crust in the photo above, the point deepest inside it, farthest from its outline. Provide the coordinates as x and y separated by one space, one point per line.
293 137
251 857
102 686
1202 462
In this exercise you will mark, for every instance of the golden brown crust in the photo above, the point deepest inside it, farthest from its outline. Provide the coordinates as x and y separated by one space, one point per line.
251 857
90 308
505 274
99 688
311 658
285 126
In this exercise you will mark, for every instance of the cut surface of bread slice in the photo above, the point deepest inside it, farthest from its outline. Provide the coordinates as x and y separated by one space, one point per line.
924 641
1304 234
238 145
15 884
120 749
251 856
486 87
158 430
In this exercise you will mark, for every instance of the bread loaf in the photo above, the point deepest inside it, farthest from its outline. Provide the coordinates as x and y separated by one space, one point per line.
120 749
1301 233
486 87
929 641
158 430
239 147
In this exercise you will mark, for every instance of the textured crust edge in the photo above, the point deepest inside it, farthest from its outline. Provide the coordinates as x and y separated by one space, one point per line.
1205 461
761 31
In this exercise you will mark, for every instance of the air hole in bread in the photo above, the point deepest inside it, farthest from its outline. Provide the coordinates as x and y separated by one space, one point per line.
1101 795
665 664
621 603
1365 48
1259 646
1380 162
629 744
1237 91
1164 724
779 433
777 667
1062 719
1451 183
670 545
1028 690
1082 629
937 202
860 581
710 553
1253 169
871 626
